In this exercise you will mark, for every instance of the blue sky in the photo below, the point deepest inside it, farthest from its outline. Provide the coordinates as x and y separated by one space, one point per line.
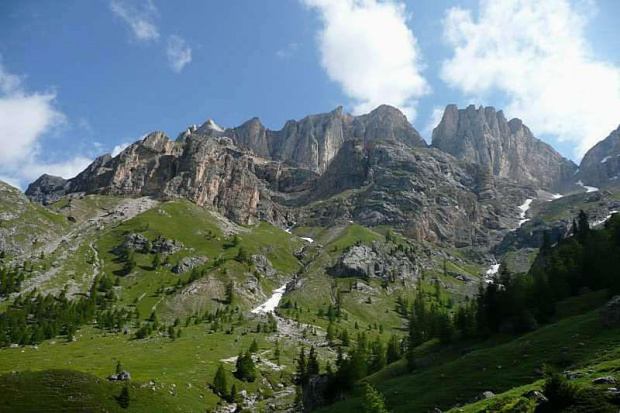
79 78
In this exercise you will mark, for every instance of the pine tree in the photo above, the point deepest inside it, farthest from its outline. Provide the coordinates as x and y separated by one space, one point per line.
243 256
156 261
313 363
302 367
123 398
119 368
254 346
220 381
393 352
171 332
230 293
374 401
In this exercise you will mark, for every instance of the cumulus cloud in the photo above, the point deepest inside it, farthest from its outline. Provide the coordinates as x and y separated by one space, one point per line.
536 53
24 119
368 49
435 118
178 53
139 15
119 148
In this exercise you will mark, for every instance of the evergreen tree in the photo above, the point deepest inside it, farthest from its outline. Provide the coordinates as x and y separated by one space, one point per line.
220 382
393 352
123 398
246 369
230 293
156 261
119 368
374 401
302 367
254 346
243 256
313 363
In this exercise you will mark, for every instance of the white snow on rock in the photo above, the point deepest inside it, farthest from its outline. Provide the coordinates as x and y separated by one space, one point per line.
524 208
310 240
272 303
556 196
576 171
587 188
602 221
605 159
214 126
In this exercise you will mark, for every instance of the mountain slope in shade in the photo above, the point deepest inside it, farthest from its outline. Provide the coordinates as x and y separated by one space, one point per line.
601 165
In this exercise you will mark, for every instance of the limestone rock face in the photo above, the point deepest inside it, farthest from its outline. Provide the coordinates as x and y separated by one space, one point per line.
313 142
507 148
601 165
373 169
375 261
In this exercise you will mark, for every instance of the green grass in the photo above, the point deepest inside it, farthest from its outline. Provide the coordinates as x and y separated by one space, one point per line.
71 391
573 342
191 359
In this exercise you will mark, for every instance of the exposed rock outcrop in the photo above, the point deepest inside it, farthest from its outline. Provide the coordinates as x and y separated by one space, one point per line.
601 165
507 148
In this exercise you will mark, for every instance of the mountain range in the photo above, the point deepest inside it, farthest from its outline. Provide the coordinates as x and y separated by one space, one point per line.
249 269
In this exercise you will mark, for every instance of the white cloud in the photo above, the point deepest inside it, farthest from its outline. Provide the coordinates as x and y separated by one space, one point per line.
66 169
119 148
536 53
178 53
287 51
367 48
139 15
432 123
24 119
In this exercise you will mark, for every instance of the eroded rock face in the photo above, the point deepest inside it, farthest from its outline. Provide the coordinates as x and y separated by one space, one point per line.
375 261
507 148
601 165
373 169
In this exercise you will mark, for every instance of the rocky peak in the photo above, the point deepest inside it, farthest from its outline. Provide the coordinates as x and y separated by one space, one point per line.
601 165
507 148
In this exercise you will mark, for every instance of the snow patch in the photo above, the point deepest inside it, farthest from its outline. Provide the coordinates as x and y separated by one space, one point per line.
605 159
556 196
587 188
524 208
310 240
576 171
602 221
214 126
272 303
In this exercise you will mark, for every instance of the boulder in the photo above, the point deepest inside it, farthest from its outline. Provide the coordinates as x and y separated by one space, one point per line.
536 395
610 313
604 380
188 263
122 376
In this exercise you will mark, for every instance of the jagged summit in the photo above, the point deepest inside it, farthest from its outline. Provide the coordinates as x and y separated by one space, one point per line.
507 148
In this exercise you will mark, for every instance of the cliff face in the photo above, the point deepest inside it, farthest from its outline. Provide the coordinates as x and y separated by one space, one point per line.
507 148
601 165
313 142
374 169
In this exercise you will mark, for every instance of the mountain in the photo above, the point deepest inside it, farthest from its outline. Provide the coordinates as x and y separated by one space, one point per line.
250 173
24 225
601 164
507 148
381 257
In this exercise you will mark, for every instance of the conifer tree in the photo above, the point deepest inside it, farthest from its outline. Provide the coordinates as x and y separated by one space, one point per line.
220 381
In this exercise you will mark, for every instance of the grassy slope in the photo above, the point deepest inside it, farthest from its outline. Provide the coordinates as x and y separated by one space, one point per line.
576 342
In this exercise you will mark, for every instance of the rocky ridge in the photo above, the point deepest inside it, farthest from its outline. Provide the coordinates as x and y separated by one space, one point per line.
506 147
373 169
